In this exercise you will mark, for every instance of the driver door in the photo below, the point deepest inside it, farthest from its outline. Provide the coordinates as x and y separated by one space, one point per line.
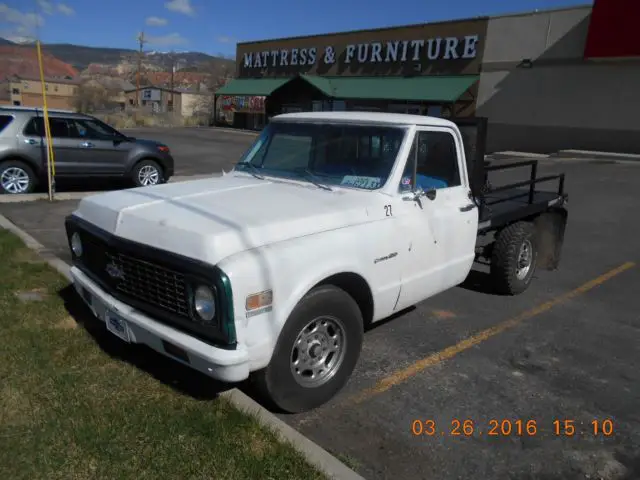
441 226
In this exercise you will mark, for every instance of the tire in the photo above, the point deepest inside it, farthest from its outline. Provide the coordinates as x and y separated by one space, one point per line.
144 170
13 170
507 277
290 392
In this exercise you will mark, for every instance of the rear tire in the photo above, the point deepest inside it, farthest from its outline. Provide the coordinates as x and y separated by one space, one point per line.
514 258
16 178
147 173
330 349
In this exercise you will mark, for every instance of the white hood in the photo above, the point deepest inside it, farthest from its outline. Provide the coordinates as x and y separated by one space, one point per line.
213 218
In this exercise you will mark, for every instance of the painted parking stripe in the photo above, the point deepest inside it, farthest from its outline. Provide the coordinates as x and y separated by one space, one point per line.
449 352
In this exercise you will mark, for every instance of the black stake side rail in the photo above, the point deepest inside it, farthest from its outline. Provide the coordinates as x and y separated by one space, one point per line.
533 180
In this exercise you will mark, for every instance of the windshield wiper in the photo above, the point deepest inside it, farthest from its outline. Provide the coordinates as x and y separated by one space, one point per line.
314 179
253 169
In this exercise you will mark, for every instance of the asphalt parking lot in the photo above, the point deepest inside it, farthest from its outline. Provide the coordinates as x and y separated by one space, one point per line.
564 354
198 151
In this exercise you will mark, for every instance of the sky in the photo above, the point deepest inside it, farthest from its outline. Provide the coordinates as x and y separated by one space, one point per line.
214 26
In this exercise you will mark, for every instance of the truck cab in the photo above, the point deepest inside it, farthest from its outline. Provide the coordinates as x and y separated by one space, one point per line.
329 222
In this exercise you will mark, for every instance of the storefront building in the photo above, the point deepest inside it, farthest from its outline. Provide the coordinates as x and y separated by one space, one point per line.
424 69
546 80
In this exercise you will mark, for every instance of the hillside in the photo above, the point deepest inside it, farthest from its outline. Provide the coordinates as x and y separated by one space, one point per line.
80 57
23 62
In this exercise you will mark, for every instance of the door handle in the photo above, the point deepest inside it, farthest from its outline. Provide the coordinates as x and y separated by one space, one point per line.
467 208
30 141
86 144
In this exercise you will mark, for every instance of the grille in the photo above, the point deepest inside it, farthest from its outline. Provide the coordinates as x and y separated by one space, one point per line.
138 278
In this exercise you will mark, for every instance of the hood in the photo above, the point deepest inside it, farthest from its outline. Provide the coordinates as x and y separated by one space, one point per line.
213 218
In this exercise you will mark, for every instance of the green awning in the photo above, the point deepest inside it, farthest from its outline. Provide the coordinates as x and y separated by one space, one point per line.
437 88
252 86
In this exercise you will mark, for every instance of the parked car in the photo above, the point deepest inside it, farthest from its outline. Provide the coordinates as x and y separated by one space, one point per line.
83 146
330 222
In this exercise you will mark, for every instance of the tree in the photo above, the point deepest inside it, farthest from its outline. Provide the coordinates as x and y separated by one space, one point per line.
92 97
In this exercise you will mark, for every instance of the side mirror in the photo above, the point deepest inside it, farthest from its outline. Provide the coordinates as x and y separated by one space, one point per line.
418 193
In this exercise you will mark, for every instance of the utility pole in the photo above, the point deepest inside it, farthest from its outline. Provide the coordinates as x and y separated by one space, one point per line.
141 42
173 71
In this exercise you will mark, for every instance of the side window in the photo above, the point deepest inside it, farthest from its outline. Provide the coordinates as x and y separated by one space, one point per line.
5 120
59 127
35 127
437 162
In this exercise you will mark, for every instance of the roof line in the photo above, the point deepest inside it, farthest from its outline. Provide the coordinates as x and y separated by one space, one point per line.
411 25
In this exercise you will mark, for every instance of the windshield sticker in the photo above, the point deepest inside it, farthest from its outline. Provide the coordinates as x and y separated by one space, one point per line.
361 182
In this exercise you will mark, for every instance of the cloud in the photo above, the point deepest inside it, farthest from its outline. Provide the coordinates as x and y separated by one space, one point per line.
66 9
180 6
156 21
46 6
224 39
28 20
23 26
167 40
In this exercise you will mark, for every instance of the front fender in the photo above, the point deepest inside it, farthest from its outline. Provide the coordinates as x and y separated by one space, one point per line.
290 269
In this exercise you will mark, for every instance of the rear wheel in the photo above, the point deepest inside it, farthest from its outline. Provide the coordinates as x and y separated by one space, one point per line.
316 352
16 177
514 258
147 173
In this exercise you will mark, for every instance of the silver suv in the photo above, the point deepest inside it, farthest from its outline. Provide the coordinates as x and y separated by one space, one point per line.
83 146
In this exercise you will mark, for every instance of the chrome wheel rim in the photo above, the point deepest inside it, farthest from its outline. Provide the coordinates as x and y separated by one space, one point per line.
318 351
525 260
15 180
148 175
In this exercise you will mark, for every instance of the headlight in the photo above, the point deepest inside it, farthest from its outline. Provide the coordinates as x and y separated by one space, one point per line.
204 303
76 244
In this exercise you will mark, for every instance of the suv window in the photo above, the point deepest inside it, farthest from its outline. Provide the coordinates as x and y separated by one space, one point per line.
437 162
59 127
84 128
5 120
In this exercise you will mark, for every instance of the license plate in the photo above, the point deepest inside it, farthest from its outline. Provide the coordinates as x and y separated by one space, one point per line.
117 325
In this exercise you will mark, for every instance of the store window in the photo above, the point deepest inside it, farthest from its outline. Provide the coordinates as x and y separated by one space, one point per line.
437 162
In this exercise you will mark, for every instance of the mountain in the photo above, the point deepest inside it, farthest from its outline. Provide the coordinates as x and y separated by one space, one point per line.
22 61
80 57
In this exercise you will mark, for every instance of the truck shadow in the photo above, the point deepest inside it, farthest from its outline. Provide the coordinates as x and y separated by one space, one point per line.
479 281
168 371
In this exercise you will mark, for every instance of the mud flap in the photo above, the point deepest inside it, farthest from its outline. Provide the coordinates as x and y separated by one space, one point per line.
550 227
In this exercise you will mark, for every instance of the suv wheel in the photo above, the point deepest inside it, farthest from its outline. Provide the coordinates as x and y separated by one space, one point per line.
16 177
147 173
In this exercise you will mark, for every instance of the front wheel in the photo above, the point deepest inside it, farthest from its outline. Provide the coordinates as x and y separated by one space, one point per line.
147 173
316 352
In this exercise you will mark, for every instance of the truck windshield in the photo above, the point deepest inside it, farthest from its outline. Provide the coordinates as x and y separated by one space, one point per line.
356 156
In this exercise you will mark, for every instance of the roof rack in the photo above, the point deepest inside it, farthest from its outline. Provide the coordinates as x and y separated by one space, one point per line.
37 109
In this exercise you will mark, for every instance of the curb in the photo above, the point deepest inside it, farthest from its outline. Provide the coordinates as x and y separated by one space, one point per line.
314 454
61 196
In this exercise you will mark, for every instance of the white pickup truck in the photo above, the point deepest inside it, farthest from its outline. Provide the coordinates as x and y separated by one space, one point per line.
330 222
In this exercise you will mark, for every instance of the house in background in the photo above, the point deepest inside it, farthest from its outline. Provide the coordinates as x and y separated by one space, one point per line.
155 99
182 101
27 92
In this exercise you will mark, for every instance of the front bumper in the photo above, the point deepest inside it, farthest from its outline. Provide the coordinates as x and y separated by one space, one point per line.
223 365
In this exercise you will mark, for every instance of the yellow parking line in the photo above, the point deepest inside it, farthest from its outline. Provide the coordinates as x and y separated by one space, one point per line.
449 352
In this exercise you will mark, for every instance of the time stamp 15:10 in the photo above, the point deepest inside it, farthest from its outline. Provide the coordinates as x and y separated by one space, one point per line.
507 427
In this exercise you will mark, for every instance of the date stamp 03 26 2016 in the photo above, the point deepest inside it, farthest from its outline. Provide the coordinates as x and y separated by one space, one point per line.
507 427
